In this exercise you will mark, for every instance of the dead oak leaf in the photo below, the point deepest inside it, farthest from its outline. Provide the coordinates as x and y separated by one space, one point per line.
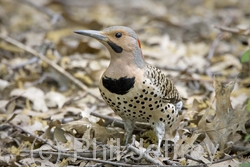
227 120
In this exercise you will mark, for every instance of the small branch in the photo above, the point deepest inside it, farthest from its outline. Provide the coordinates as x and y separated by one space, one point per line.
146 156
193 159
245 32
81 158
87 154
118 123
30 61
54 16
214 46
230 158
239 148
109 120
36 137
212 50
51 63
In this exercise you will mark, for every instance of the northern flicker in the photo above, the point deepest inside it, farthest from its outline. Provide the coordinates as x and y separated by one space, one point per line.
135 90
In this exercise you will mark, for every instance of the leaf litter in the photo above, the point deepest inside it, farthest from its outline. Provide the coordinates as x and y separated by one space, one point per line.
45 112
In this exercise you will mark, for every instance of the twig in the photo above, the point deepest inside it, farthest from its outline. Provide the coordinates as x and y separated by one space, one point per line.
197 160
54 16
81 158
239 148
245 32
119 123
36 137
146 156
229 158
214 45
87 154
212 50
109 120
51 63
30 61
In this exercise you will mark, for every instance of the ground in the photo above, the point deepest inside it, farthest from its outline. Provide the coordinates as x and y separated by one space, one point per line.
52 112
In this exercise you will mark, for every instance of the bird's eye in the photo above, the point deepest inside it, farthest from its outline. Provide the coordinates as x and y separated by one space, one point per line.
118 35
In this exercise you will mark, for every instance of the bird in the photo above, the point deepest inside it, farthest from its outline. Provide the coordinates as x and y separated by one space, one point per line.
132 88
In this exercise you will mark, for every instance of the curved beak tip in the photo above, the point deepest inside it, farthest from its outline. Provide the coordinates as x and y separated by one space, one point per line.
92 33
78 31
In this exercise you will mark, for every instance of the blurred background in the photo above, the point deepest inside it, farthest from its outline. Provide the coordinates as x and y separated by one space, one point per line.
191 41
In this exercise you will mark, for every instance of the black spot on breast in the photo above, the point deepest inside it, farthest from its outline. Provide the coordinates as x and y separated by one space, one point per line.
115 47
119 86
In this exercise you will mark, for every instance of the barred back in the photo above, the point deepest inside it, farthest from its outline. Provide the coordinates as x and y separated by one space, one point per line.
169 92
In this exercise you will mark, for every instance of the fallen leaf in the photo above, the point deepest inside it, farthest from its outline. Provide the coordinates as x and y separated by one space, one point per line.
227 120
33 94
55 99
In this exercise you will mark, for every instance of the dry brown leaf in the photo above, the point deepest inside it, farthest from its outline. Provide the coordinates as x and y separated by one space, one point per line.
55 99
210 147
33 94
227 120
9 47
185 145
222 62
87 128
199 153
59 135
228 163
84 78
57 35
3 84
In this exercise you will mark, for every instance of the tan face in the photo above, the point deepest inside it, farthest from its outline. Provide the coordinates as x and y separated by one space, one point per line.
122 39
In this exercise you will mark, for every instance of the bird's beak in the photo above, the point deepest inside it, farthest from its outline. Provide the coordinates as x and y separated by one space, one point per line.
92 33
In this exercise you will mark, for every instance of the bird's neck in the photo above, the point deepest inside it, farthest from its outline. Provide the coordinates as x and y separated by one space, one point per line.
124 65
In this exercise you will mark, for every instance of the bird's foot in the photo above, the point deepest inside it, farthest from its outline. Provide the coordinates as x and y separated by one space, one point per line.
126 149
154 153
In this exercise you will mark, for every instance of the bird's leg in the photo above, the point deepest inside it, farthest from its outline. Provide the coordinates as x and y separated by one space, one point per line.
159 129
178 106
129 127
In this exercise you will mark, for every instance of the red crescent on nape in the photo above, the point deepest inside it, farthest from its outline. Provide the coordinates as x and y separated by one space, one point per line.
139 43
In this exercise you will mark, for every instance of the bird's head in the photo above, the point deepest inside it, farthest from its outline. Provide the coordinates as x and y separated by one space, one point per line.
122 42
